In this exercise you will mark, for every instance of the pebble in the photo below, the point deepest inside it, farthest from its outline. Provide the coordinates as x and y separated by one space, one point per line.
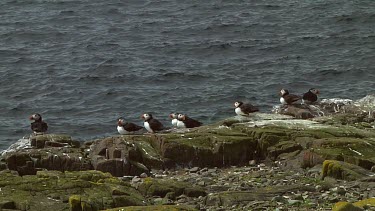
252 162
136 179
126 178
143 175
194 170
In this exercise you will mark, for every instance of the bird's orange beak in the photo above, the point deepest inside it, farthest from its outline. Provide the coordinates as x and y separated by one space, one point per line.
170 116
142 117
317 91
31 118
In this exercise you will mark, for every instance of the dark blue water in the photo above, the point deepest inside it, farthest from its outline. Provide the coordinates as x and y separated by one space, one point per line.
82 64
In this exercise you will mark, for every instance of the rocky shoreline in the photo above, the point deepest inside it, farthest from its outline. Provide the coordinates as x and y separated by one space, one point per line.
262 162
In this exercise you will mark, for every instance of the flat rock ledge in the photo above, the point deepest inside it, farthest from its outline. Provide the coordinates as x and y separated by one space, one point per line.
265 161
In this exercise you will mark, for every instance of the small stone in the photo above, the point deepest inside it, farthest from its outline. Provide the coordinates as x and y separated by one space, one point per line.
136 179
294 202
158 200
252 162
126 178
262 165
143 175
194 170
204 169
341 190
278 199
373 169
182 200
298 197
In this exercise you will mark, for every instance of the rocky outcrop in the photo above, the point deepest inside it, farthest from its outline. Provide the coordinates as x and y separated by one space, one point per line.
123 155
334 147
345 111
234 141
27 161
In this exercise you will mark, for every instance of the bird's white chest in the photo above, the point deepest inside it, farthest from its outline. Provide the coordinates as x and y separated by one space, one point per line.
282 101
148 127
239 111
180 124
121 130
174 122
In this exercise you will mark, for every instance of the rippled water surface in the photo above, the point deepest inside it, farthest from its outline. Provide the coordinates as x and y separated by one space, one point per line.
84 63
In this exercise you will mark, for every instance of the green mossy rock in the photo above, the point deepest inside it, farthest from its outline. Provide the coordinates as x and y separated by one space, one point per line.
346 206
154 208
365 203
343 170
40 141
357 151
153 187
54 190
237 140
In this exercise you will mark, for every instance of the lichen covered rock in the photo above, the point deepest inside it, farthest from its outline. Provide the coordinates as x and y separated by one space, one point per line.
152 187
154 208
54 190
342 170
360 205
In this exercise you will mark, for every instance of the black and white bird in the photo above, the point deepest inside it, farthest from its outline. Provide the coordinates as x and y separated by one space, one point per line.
152 125
311 96
124 127
38 126
174 120
244 109
288 99
186 122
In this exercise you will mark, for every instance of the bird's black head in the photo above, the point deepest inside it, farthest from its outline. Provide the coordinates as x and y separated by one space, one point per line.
314 91
238 104
36 117
120 121
173 115
284 92
146 116
181 117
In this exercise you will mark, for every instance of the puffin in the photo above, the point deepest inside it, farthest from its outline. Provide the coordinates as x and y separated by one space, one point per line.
38 126
126 127
286 98
186 122
152 125
311 96
174 121
244 109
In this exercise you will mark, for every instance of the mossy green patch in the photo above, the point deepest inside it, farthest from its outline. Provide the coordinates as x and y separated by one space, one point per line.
90 190
153 187
155 208
365 203
342 170
345 206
